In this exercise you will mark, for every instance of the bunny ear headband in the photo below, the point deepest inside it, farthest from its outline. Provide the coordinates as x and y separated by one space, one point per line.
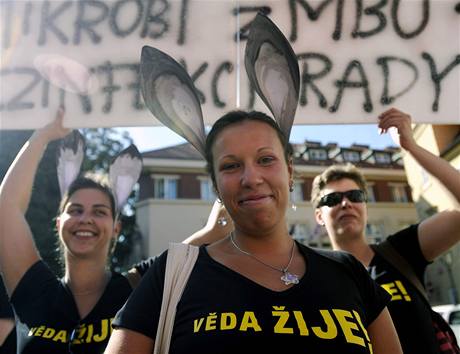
270 63
124 170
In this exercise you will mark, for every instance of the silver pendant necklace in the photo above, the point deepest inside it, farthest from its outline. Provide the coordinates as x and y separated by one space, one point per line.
287 277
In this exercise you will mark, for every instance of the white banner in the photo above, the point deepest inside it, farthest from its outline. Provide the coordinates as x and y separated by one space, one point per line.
357 58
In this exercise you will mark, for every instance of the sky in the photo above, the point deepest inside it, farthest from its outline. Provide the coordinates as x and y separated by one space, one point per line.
153 138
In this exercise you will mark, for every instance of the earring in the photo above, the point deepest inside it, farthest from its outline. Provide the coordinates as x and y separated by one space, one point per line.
222 221
291 189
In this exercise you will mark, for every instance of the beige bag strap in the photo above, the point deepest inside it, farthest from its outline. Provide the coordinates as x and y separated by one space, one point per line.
179 264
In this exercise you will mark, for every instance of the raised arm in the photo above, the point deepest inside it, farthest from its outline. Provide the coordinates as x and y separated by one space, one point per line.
17 248
441 231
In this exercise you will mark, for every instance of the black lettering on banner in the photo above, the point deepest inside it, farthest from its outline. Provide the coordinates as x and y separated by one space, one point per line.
423 23
47 22
337 34
114 26
6 8
307 77
345 83
85 103
225 66
371 10
384 63
18 101
243 31
202 68
183 22
45 93
84 24
154 17
135 86
107 69
313 14
26 19
437 76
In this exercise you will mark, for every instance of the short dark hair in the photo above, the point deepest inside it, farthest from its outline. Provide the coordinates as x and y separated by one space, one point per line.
89 182
235 117
336 173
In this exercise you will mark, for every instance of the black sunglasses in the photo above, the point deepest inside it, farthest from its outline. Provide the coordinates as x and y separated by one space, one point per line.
334 198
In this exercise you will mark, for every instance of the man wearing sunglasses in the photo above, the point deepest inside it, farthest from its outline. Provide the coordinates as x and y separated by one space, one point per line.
339 197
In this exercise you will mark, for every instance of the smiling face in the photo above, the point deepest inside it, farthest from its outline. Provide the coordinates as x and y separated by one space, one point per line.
252 176
345 221
86 226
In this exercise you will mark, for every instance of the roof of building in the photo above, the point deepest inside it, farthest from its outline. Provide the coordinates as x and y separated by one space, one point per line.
183 151
334 155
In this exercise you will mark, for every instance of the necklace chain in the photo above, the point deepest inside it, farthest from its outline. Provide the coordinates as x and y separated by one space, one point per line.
287 277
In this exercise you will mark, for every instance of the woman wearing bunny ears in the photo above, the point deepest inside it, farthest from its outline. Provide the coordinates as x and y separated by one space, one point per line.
257 290
72 314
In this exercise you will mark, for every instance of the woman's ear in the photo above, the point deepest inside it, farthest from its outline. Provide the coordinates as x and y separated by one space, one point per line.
319 216
116 228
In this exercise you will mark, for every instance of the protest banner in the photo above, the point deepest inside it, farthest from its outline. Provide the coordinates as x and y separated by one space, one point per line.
357 57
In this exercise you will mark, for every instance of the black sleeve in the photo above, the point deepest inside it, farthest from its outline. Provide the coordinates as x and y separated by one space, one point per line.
143 266
408 246
142 310
37 283
5 307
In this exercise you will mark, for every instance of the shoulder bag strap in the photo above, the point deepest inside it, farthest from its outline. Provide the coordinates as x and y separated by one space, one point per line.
388 252
179 264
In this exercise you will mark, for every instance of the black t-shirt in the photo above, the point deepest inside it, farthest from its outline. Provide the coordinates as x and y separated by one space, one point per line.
9 345
409 311
222 311
5 308
6 312
47 316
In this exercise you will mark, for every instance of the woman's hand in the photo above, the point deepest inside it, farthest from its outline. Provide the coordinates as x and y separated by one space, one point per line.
403 124
54 130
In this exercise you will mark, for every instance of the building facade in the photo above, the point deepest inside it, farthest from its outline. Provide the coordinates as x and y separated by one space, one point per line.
176 195
443 276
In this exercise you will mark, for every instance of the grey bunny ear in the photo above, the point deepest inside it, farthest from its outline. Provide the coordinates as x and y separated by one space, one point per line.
273 69
69 158
124 173
170 95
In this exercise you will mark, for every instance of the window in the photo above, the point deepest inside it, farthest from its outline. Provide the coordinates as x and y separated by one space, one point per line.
370 193
398 191
374 231
207 190
351 156
297 194
317 154
299 232
165 187
382 158
454 318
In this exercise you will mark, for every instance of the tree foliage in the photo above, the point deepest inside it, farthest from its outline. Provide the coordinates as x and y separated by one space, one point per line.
103 145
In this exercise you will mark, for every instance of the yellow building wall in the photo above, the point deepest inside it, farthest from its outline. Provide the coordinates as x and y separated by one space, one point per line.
443 276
